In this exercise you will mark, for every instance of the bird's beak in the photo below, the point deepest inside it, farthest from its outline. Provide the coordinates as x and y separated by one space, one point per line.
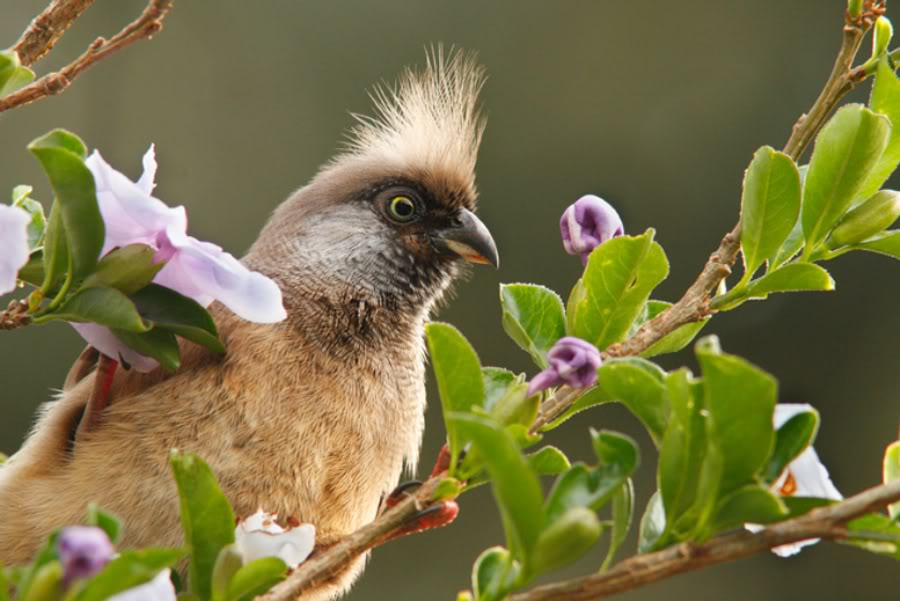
469 239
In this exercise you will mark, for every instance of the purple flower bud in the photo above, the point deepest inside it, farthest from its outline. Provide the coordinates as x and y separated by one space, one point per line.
587 224
573 361
83 551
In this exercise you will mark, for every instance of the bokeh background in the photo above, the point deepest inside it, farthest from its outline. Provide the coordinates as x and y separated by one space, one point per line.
656 106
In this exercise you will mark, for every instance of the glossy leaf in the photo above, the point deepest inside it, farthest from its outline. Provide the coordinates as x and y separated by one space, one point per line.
636 383
494 574
178 314
846 151
653 525
674 341
748 504
770 205
885 100
104 306
891 472
127 570
515 407
791 246
459 377
866 219
592 487
791 439
496 381
107 522
548 461
515 486
13 75
740 399
534 318
887 243
56 250
206 518
158 344
228 562
618 280
62 156
127 269
622 514
255 578
566 539
876 533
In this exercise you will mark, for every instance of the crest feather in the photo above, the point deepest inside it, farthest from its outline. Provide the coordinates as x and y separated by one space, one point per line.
429 120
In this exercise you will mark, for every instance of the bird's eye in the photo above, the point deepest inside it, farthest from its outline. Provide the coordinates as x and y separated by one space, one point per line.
402 208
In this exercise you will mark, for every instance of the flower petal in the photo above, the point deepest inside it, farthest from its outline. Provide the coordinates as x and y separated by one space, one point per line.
158 589
14 252
259 536
102 339
146 182
205 272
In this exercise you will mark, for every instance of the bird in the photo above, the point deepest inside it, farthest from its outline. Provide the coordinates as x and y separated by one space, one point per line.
315 417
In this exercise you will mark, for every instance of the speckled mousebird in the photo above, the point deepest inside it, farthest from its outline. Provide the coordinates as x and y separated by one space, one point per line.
313 417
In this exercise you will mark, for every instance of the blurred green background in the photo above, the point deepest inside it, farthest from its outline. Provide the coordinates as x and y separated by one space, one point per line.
656 106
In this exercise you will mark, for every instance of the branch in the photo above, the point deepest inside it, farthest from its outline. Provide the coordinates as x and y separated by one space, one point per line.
826 522
46 29
15 315
323 565
144 26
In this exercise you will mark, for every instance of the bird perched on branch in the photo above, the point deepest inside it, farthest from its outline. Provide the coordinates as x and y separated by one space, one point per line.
314 417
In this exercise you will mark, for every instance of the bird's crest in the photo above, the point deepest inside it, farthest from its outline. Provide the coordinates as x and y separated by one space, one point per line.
428 123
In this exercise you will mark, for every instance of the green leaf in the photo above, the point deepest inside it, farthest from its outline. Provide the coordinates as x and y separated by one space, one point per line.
622 514
791 247
515 485
4 585
46 553
636 383
792 278
866 219
62 156
47 584
618 280
515 407
127 269
228 562
749 504
885 100
740 399
256 578
674 341
107 522
583 486
770 206
459 377
683 449
791 439
548 461
891 472
886 243
534 318
496 381
875 532
179 314
206 517
846 151
38 224
127 570
104 306
566 540
56 250
13 75
158 344
653 525
494 574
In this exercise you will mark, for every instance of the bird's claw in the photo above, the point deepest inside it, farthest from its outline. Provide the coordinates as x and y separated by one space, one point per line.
436 516
403 489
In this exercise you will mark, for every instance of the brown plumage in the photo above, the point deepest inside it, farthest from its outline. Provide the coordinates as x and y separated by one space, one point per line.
316 416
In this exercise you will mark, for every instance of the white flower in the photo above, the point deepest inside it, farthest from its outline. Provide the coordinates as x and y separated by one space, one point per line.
158 589
199 270
14 251
805 476
259 536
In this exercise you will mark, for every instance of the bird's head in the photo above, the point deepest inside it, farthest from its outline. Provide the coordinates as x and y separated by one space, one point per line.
390 219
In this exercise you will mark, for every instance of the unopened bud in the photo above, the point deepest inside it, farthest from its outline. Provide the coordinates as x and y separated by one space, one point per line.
871 217
884 31
587 224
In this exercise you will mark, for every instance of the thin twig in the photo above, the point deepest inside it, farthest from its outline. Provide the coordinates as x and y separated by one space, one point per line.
322 566
144 26
46 29
826 522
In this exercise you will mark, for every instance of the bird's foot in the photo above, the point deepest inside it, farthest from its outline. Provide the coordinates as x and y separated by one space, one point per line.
100 395
400 493
436 516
